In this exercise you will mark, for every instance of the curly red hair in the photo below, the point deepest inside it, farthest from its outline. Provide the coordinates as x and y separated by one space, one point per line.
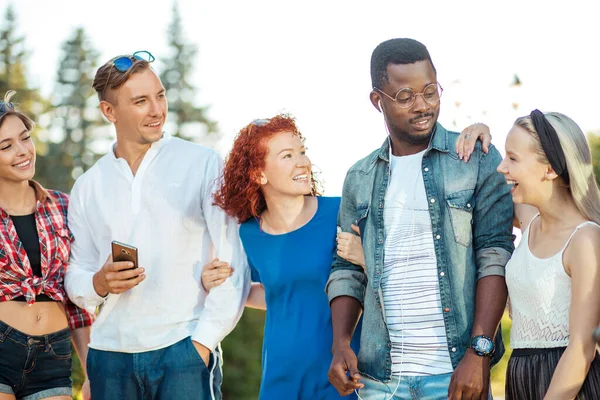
240 195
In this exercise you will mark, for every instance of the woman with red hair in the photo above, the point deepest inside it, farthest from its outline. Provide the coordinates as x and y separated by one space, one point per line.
289 233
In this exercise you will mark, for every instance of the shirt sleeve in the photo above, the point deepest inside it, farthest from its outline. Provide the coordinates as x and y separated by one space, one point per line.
493 241
224 304
83 261
345 278
77 317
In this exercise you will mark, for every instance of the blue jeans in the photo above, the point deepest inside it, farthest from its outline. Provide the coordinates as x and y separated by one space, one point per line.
174 372
35 367
432 387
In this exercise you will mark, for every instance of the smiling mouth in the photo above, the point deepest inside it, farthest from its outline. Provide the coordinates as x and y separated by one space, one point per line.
302 177
24 164
512 184
154 124
422 122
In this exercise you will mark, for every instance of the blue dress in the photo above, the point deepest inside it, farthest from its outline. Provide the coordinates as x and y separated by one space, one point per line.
294 268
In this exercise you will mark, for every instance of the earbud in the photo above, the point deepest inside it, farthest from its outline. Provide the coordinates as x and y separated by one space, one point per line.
379 104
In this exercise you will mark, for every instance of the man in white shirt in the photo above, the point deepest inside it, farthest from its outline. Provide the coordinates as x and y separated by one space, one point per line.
157 328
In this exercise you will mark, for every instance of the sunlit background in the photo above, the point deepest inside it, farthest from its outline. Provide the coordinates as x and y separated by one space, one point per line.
311 59
495 60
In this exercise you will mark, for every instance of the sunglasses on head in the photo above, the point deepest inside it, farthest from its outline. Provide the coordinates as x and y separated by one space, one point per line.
260 122
5 107
123 63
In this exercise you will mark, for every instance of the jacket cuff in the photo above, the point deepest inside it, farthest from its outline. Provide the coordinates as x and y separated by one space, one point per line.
346 282
491 261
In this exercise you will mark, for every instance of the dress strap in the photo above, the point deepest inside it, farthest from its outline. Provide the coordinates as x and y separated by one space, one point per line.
526 232
575 231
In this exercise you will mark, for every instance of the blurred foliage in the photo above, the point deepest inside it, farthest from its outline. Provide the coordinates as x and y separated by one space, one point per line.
186 119
242 351
74 121
13 71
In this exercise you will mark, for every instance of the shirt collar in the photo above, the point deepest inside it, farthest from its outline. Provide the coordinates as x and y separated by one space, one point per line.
164 139
41 194
439 142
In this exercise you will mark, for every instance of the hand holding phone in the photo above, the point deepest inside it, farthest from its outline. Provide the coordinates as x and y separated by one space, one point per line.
120 272
124 252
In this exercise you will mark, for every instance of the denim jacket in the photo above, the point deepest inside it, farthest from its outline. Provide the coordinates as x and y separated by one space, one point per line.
471 213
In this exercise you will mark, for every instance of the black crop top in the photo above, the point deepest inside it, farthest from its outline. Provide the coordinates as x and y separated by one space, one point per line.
27 232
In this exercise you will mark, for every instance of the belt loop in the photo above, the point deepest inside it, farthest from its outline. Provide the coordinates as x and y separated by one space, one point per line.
4 334
47 345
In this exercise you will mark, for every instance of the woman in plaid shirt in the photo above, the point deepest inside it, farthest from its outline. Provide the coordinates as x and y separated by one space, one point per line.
36 319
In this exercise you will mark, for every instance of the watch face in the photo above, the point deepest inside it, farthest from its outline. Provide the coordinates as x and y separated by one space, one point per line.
484 345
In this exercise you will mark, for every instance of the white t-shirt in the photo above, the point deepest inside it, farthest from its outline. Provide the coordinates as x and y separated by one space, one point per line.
411 290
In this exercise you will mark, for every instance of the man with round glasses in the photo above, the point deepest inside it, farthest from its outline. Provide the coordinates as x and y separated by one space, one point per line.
436 233
157 332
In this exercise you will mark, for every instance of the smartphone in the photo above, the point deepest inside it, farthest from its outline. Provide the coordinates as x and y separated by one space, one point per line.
124 252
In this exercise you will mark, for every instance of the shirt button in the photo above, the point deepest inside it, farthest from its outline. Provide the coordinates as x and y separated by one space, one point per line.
30 341
468 205
380 241
390 345
442 273
426 169
432 201
446 309
438 237
454 349
380 205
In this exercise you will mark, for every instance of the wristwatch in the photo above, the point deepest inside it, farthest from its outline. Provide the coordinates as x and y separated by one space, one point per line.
482 345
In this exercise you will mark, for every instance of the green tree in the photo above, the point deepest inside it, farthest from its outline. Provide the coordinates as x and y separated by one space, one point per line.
76 123
186 119
13 71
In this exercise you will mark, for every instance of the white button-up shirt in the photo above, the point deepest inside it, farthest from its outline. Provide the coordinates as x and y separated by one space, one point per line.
166 210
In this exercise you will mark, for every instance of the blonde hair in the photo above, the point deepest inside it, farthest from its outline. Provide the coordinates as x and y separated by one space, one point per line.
582 186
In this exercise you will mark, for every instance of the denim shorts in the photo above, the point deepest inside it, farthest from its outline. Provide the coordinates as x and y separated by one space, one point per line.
35 367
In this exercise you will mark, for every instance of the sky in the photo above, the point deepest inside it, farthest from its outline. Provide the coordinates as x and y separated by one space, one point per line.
311 59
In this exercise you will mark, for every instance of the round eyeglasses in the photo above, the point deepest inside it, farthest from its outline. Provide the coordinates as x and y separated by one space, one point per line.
406 97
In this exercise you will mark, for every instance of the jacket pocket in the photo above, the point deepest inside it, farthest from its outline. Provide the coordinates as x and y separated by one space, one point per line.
461 206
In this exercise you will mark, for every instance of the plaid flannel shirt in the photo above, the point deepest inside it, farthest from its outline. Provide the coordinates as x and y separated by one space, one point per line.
16 275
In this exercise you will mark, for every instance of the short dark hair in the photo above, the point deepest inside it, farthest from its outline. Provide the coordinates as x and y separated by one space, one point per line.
117 78
396 51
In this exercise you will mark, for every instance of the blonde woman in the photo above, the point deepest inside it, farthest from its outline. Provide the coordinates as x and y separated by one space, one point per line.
553 277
